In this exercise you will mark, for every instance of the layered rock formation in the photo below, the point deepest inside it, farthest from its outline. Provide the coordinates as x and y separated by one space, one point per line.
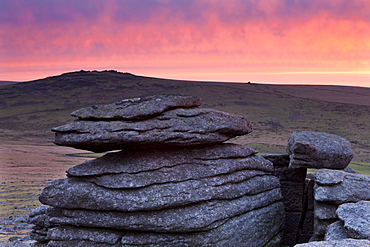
146 124
174 182
318 150
354 222
332 189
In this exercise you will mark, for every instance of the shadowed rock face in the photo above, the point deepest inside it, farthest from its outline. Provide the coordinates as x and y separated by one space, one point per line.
173 128
318 150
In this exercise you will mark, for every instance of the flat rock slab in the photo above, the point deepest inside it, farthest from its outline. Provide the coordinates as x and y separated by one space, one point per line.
137 108
356 218
340 187
197 217
134 169
318 150
104 237
173 128
72 193
336 231
255 228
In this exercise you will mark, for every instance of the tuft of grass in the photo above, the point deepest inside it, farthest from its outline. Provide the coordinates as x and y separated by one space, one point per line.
363 168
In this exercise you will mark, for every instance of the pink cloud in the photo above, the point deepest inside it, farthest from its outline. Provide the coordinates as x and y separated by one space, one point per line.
235 35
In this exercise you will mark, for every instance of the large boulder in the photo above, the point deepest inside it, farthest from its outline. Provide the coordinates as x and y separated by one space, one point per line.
318 150
356 218
173 128
340 187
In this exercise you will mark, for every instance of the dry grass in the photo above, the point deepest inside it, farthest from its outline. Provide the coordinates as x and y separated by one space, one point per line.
25 170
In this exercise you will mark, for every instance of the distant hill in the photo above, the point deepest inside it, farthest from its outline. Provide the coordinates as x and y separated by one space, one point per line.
4 83
29 109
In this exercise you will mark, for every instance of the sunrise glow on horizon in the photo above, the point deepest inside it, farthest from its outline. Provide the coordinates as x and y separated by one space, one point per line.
269 41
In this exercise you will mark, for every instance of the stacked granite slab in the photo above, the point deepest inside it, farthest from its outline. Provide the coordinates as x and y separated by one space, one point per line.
333 189
354 222
171 182
306 149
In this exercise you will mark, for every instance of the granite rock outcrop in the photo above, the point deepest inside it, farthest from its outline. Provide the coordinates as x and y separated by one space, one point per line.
173 182
150 126
332 189
354 222
318 150
169 179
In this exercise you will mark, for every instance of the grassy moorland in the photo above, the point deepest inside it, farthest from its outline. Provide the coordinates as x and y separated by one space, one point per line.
28 110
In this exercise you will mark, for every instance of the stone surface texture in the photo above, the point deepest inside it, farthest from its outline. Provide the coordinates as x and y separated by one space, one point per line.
336 231
340 187
333 189
137 108
356 218
318 150
177 127
337 243
172 182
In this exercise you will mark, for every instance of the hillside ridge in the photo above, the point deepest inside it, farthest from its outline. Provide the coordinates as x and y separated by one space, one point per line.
28 110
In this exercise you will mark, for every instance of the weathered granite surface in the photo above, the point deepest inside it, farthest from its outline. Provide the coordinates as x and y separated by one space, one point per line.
137 108
73 193
195 217
121 169
174 183
177 127
251 229
356 218
336 231
318 150
248 229
332 189
337 243
340 187
325 210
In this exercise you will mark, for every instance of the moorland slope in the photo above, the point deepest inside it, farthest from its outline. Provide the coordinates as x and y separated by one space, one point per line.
29 109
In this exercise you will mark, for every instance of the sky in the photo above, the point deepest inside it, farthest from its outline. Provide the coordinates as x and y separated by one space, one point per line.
273 41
